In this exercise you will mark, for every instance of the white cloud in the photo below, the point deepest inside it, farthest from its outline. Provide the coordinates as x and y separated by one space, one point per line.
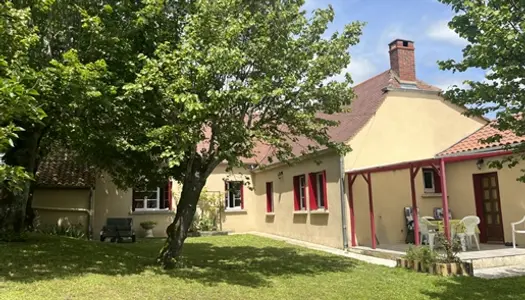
447 83
441 32
360 69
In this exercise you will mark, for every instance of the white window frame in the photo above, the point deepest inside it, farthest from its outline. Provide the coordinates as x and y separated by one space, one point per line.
320 190
432 174
145 201
302 195
228 196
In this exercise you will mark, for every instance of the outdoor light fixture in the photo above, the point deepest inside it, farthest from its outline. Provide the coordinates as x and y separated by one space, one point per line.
479 163
280 175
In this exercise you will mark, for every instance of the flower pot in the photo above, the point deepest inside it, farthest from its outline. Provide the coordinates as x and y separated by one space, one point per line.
149 233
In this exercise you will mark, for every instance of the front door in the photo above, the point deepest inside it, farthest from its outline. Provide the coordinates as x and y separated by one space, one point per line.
488 207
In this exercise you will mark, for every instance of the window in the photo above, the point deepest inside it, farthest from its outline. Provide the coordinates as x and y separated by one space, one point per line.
234 195
299 188
269 197
431 181
318 191
152 199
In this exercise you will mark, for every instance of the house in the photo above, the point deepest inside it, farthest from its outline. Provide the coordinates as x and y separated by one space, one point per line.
404 137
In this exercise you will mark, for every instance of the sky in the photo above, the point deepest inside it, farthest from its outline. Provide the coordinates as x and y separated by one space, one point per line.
421 21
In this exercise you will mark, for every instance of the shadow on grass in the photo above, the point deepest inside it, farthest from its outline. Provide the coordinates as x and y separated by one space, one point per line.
45 258
463 288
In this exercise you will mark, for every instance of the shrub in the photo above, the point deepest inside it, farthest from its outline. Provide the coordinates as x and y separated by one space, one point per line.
70 230
451 248
421 253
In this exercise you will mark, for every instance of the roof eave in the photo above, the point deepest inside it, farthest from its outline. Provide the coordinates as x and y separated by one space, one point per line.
394 89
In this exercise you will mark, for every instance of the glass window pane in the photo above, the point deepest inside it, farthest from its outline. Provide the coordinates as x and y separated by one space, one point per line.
489 219
428 179
493 181
485 182
486 195
494 194
488 207
496 206
152 203
139 204
498 221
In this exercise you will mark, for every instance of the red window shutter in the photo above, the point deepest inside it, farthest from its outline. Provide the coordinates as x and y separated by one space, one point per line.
312 191
323 184
269 193
242 195
437 181
296 193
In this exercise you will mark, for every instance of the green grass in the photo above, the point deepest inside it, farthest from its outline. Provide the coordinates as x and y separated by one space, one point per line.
230 267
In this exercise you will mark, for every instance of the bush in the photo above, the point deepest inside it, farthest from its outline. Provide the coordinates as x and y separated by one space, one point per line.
422 254
452 248
70 230
146 225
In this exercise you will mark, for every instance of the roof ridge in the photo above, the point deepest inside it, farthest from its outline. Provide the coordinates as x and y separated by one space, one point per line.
371 78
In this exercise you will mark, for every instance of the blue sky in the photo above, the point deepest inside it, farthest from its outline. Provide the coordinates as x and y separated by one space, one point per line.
422 21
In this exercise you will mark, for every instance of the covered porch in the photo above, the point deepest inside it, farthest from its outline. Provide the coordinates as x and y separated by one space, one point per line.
378 196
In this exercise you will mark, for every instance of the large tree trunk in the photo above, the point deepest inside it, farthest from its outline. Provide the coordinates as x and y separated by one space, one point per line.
178 230
13 203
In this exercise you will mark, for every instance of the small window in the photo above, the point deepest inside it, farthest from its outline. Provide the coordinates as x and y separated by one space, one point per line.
300 192
319 183
269 197
317 190
234 195
152 199
431 181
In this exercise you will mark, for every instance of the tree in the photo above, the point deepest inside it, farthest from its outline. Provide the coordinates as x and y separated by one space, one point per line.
243 73
77 55
495 31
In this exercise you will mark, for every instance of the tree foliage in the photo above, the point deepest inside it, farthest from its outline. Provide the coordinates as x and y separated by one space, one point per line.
495 31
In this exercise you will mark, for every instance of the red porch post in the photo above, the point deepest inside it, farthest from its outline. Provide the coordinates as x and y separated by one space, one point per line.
444 198
351 180
415 213
368 180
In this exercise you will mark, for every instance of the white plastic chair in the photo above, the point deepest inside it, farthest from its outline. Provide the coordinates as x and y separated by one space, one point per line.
427 229
470 223
514 231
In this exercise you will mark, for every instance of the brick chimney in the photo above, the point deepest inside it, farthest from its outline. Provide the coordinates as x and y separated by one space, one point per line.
402 59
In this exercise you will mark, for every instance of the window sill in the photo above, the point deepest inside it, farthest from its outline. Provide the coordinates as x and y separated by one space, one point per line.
431 195
235 211
270 214
321 211
152 212
300 212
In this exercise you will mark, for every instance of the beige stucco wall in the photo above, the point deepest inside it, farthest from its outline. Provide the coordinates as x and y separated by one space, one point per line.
52 206
237 221
316 228
408 126
512 193
111 202
391 193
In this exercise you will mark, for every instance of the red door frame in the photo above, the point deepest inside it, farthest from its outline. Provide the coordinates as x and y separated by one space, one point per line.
478 199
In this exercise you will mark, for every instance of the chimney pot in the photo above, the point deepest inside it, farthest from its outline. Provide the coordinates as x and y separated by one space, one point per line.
402 59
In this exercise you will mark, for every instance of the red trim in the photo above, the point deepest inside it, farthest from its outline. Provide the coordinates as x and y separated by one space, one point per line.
325 191
269 196
242 195
415 214
371 207
295 193
312 190
351 179
444 198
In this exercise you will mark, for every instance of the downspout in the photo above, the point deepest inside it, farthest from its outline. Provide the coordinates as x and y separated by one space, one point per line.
342 176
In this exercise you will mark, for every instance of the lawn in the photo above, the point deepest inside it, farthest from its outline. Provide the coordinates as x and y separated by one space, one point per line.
232 267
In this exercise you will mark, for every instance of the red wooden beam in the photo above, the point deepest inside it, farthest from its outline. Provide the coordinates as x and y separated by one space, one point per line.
416 170
415 213
444 199
351 180
371 207
365 177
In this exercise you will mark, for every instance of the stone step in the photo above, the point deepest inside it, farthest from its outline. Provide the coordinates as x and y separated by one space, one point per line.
496 261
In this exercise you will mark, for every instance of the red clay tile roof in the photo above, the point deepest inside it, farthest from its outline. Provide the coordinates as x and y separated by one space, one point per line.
369 96
472 142
61 169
